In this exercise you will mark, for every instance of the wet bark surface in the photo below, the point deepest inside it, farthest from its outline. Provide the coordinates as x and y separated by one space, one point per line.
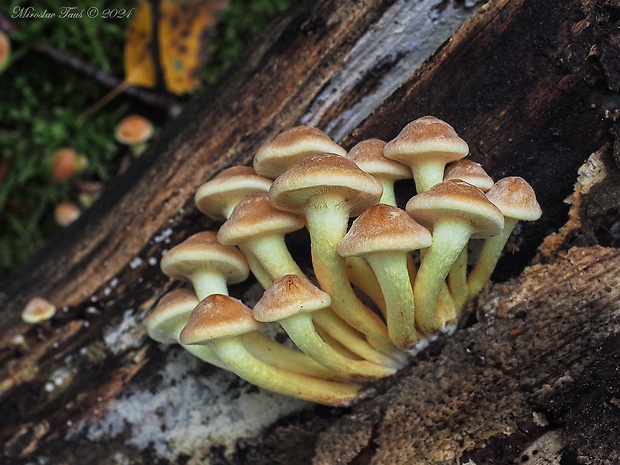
534 91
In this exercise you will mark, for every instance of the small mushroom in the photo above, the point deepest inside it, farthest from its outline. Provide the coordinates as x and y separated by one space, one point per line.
165 322
209 265
385 235
220 321
290 147
327 189
426 145
66 213
134 131
473 173
368 155
516 199
66 162
5 50
218 197
454 211
290 301
38 310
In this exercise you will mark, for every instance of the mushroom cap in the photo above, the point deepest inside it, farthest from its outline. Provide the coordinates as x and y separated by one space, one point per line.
5 49
325 173
458 200
287 296
66 213
383 228
290 147
172 309
133 129
202 251
66 162
515 198
368 155
426 138
255 216
37 310
469 171
218 316
215 197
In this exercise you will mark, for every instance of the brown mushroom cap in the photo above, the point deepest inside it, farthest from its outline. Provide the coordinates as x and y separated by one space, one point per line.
515 198
368 155
66 162
5 49
66 213
469 171
325 173
424 138
172 310
458 200
290 147
255 216
133 129
384 228
287 296
37 310
218 316
218 196
200 251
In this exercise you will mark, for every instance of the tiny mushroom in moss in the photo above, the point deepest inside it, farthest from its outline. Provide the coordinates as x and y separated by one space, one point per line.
516 199
220 321
66 213
209 265
385 235
66 162
290 147
328 189
38 310
426 145
5 50
218 197
454 211
290 301
134 131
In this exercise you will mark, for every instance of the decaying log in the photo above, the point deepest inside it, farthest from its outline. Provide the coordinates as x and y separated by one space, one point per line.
533 90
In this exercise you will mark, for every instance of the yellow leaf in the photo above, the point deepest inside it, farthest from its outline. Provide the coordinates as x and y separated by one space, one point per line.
184 30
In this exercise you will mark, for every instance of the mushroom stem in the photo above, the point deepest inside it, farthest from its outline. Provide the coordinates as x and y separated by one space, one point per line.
361 275
327 224
457 280
207 282
241 362
489 255
449 238
302 332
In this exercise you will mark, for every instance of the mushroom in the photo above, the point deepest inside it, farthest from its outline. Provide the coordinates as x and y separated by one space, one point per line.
516 199
426 145
473 173
368 155
38 310
291 300
290 147
218 197
384 235
134 131
454 211
327 189
66 162
209 265
220 321
66 213
5 50
259 229
165 323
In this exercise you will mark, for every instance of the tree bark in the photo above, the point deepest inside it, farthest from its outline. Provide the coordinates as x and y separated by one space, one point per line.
526 85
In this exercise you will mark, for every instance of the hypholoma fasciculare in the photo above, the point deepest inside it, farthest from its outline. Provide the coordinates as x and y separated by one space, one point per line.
379 288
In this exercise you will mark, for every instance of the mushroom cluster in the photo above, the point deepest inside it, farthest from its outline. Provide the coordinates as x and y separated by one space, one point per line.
385 280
